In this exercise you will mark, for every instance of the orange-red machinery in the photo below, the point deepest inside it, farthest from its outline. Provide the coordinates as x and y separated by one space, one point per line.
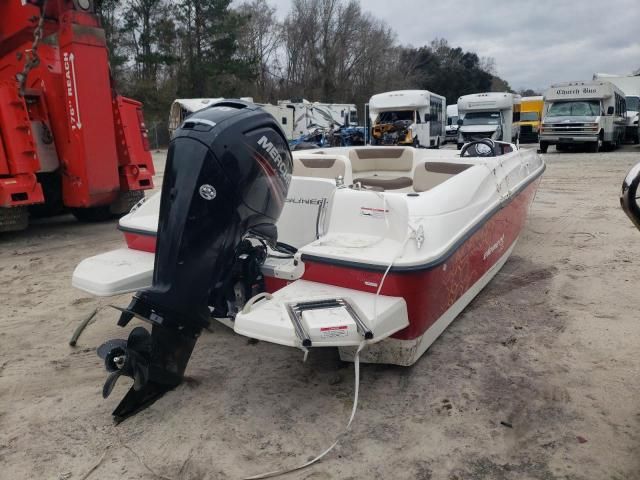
67 139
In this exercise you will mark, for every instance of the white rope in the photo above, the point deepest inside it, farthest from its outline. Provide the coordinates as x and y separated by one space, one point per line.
356 366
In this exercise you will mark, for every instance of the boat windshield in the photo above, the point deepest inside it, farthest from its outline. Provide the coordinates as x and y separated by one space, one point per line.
390 117
481 118
633 103
574 108
529 116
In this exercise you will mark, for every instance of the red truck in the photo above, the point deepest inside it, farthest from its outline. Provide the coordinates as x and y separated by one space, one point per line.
67 139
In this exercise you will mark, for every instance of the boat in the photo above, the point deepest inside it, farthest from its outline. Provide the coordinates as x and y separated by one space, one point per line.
629 195
378 249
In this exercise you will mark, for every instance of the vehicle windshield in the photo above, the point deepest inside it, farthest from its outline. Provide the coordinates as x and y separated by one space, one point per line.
575 108
633 103
353 117
452 121
529 116
481 118
390 117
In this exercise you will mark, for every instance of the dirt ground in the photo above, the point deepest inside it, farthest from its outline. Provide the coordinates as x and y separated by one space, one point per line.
539 378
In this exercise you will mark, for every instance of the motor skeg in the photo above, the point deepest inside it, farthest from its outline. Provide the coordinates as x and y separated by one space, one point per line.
227 174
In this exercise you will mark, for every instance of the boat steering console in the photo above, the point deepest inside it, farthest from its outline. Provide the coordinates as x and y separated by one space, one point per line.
480 148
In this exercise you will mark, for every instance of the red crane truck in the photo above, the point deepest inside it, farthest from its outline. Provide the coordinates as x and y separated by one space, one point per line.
67 139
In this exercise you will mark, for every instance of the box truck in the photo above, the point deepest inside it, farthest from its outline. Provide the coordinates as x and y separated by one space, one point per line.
583 113
530 118
494 115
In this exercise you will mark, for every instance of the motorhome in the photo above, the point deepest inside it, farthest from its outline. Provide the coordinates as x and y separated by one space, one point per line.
452 123
494 115
408 117
589 113
630 86
530 118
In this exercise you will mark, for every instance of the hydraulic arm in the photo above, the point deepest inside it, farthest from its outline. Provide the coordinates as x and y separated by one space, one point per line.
67 139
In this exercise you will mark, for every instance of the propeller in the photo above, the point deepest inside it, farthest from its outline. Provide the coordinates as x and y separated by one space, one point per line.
130 358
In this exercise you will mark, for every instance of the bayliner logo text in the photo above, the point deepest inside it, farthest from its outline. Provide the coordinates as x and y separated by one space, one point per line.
275 156
496 246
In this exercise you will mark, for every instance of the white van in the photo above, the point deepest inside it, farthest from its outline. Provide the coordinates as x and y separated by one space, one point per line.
408 117
630 86
452 123
583 113
494 115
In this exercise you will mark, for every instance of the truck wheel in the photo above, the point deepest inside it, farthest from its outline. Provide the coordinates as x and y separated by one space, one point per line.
544 146
125 202
13 219
594 147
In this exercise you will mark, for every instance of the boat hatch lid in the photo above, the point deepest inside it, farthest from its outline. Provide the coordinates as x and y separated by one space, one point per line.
115 272
319 315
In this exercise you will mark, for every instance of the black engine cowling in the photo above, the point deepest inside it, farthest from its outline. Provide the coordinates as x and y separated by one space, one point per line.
227 175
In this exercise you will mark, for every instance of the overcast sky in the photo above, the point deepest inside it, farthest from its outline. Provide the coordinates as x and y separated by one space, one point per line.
534 42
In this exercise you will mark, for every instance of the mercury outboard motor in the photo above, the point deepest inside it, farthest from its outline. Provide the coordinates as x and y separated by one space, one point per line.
227 175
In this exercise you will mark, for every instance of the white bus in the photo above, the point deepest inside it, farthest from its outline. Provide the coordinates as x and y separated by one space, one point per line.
494 115
408 117
630 86
583 113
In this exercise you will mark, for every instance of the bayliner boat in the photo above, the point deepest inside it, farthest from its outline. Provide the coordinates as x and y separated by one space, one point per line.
380 247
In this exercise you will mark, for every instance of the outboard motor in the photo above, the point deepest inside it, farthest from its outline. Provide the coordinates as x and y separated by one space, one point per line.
227 175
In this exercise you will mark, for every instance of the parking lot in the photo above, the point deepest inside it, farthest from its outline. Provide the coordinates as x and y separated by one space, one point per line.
539 378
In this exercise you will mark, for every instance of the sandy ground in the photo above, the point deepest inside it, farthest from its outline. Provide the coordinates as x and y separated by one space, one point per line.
539 378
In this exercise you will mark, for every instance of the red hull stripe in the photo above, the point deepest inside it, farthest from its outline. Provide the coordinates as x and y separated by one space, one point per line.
429 293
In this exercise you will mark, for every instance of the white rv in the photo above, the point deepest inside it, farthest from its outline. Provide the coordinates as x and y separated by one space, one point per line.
452 123
630 86
494 115
309 116
583 113
181 108
408 117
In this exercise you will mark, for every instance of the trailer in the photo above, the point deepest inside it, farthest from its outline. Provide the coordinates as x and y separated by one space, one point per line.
408 117
591 113
494 115
308 116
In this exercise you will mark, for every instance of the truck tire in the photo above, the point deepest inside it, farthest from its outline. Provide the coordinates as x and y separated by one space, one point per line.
594 147
14 219
544 146
122 206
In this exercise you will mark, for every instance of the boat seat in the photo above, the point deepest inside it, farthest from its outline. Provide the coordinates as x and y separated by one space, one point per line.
384 182
431 174
319 166
385 159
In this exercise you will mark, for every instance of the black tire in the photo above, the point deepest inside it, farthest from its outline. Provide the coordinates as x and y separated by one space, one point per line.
459 145
93 214
594 147
561 148
125 202
544 146
14 219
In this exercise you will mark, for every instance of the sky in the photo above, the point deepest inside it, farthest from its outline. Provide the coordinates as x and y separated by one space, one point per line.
534 42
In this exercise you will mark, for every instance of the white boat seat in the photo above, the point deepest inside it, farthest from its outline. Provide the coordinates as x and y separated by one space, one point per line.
384 182
431 174
319 166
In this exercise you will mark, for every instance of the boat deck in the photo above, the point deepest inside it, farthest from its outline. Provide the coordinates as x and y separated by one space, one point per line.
537 378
